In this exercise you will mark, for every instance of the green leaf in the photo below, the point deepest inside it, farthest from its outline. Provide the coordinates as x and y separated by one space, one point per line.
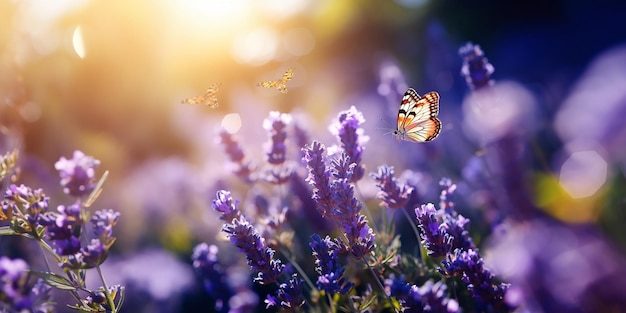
55 280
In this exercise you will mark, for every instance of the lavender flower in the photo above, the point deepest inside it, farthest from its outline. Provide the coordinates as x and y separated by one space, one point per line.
330 273
476 69
77 174
288 296
434 236
430 297
103 222
319 177
62 229
392 194
93 254
455 227
276 125
226 206
350 135
16 293
243 169
481 282
206 264
347 212
260 257
25 207
96 300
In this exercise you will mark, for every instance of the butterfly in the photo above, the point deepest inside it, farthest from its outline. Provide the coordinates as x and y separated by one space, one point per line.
417 117
279 84
208 98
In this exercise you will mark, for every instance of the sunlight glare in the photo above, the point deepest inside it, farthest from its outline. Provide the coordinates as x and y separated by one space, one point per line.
256 47
285 9
299 41
78 43
231 122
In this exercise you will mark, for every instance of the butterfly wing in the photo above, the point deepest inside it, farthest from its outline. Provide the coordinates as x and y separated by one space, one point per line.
279 84
417 117
209 98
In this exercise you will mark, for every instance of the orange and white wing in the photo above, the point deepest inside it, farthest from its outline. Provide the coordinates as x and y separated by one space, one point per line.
417 117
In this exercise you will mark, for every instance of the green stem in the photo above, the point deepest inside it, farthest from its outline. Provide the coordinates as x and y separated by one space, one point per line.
300 270
380 285
370 217
417 236
106 290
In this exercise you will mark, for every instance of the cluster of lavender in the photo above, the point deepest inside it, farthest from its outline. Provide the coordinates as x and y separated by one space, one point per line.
353 271
63 234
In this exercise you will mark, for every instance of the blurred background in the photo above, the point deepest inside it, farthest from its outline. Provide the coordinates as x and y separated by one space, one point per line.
107 78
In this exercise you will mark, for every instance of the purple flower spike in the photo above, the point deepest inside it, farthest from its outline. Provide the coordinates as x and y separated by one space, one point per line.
434 236
350 135
430 297
480 281
103 222
276 125
24 202
242 169
319 177
288 296
330 273
260 257
392 194
226 206
205 262
476 69
77 174
360 236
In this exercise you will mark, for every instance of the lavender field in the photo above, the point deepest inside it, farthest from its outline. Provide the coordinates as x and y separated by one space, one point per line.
312 156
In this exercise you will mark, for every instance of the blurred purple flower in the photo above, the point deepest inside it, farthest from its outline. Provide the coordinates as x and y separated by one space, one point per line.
16 294
351 138
226 206
154 280
430 297
447 192
276 125
330 277
243 169
205 262
468 265
301 137
260 257
77 174
555 267
476 69
319 177
288 296
392 194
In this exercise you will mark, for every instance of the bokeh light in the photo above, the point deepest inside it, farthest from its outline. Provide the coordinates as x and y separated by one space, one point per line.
78 43
583 173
